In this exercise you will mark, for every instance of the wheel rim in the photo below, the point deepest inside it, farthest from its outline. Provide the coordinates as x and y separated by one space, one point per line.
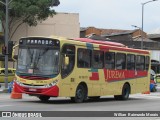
126 92
80 94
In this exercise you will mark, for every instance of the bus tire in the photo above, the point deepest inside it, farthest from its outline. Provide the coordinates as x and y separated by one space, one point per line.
44 98
80 95
125 93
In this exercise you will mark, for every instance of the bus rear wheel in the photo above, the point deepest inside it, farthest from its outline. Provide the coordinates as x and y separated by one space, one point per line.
125 93
44 98
80 95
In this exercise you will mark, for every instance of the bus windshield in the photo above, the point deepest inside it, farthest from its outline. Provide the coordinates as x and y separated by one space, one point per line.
38 61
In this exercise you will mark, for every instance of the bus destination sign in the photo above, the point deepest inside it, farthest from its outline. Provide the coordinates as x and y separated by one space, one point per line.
34 41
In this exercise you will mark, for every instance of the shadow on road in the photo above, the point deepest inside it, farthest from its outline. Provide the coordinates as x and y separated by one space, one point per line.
68 101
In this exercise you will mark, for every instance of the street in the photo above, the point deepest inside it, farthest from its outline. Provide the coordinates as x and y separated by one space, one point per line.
136 102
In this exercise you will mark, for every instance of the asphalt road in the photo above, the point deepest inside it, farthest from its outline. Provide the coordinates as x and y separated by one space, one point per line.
137 102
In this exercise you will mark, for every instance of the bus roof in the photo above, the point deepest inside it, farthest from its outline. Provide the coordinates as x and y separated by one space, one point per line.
103 44
113 45
100 42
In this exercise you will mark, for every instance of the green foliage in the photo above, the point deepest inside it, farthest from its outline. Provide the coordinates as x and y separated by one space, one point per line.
27 11
31 10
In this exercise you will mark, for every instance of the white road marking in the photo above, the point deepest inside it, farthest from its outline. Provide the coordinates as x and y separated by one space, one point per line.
146 96
5 105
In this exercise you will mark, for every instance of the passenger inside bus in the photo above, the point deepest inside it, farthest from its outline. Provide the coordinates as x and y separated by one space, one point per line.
109 60
83 58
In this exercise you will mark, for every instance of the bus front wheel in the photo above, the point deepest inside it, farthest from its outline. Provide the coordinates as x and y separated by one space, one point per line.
44 98
80 95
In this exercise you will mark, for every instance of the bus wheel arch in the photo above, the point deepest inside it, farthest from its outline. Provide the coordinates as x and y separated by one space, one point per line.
81 93
126 90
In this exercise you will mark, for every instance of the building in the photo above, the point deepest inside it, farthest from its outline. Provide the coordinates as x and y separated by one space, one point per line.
155 54
61 24
130 38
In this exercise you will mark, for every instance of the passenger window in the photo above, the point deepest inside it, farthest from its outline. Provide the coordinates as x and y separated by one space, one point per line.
147 61
69 52
140 60
130 62
120 61
110 60
98 58
84 58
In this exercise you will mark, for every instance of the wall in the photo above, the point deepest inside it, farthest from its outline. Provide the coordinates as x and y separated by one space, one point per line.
62 24
155 55
137 33
91 30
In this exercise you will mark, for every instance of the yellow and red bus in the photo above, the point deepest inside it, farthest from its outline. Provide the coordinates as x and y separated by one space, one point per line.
80 68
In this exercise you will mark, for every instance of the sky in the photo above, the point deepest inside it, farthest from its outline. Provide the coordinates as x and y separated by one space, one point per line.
114 14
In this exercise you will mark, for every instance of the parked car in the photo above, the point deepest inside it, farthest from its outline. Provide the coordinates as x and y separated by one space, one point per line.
11 74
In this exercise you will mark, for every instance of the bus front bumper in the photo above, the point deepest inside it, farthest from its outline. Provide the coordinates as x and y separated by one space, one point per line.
52 91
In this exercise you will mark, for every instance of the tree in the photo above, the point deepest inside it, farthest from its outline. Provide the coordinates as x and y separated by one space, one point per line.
26 11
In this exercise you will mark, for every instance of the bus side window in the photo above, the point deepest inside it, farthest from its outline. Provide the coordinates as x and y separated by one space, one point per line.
110 60
84 58
120 61
130 62
98 58
147 63
140 60
69 51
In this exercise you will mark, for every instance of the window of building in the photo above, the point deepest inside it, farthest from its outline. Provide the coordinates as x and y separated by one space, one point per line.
120 61
130 62
140 62
98 58
84 58
109 60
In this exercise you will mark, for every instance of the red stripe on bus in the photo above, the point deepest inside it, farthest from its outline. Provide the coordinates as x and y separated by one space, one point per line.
95 76
116 75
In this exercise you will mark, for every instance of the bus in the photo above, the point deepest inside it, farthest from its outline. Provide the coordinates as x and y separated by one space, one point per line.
80 69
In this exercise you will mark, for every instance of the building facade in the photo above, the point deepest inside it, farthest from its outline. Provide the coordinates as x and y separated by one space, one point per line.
130 38
61 24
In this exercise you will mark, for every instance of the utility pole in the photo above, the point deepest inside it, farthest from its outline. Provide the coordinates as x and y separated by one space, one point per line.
6 43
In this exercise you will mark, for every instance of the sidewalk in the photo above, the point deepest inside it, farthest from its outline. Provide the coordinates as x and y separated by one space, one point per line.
2 88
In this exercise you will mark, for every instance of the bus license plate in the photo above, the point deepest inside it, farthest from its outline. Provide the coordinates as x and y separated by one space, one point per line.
32 89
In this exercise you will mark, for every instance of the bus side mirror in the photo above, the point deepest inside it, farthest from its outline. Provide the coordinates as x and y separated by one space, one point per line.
14 56
66 60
